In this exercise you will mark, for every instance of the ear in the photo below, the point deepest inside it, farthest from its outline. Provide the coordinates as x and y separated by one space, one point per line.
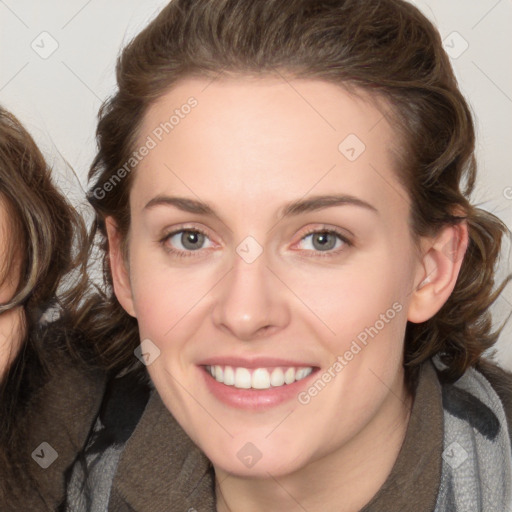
438 271
119 268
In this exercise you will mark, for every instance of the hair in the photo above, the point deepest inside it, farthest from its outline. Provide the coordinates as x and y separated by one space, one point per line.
45 243
386 48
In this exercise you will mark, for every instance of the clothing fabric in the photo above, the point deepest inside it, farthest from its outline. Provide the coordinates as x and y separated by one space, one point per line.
92 475
477 456
56 423
456 456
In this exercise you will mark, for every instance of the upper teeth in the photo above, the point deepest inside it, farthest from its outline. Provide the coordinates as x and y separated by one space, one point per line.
257 378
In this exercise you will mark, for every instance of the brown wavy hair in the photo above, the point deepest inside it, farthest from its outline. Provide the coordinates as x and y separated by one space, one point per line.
387 48
46 243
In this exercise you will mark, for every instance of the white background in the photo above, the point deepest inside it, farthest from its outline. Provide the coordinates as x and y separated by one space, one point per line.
57 97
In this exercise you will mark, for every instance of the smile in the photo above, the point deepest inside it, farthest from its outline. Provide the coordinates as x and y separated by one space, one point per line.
257 378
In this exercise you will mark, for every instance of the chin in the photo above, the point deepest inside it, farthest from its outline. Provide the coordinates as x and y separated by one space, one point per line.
257 459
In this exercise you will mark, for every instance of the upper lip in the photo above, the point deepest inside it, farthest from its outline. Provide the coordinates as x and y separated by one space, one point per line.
255 362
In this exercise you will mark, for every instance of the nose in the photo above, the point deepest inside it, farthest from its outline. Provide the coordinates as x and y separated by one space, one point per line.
251 301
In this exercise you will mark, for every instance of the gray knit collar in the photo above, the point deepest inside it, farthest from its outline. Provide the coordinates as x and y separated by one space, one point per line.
477 454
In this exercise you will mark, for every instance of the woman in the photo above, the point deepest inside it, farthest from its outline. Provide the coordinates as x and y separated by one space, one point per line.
282 194
43 251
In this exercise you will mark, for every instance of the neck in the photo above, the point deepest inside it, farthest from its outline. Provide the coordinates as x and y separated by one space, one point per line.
341 481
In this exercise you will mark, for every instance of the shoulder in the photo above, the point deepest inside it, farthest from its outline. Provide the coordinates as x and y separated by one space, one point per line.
501 381
479 395
90 478
477 456
63 399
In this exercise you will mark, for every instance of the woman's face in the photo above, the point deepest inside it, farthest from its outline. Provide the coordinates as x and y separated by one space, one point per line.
269 241
11 322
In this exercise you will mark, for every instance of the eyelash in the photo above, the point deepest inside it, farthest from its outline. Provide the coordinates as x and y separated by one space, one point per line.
177 252
320 254
329 231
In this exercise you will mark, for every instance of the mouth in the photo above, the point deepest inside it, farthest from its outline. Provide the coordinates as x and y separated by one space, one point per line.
255 385
257 378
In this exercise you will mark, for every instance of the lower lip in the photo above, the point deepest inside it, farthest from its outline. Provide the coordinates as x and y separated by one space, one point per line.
254 399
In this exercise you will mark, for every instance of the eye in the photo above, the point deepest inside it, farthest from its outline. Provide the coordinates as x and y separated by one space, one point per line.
325 240
186 241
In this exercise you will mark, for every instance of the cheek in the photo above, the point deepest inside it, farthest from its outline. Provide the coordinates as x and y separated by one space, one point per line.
12 332
362 312
350 297
166 299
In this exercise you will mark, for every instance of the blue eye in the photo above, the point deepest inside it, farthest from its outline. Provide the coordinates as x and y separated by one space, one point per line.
186 241
323 241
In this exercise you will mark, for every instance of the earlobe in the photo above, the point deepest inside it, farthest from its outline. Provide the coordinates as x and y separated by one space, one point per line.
118 267
438 272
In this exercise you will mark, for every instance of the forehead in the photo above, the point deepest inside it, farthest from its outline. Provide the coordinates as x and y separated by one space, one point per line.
268 138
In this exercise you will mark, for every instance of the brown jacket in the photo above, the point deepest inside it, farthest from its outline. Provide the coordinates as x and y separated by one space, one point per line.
58 418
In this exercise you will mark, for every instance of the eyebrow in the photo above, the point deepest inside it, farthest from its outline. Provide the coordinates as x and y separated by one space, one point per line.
291 209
